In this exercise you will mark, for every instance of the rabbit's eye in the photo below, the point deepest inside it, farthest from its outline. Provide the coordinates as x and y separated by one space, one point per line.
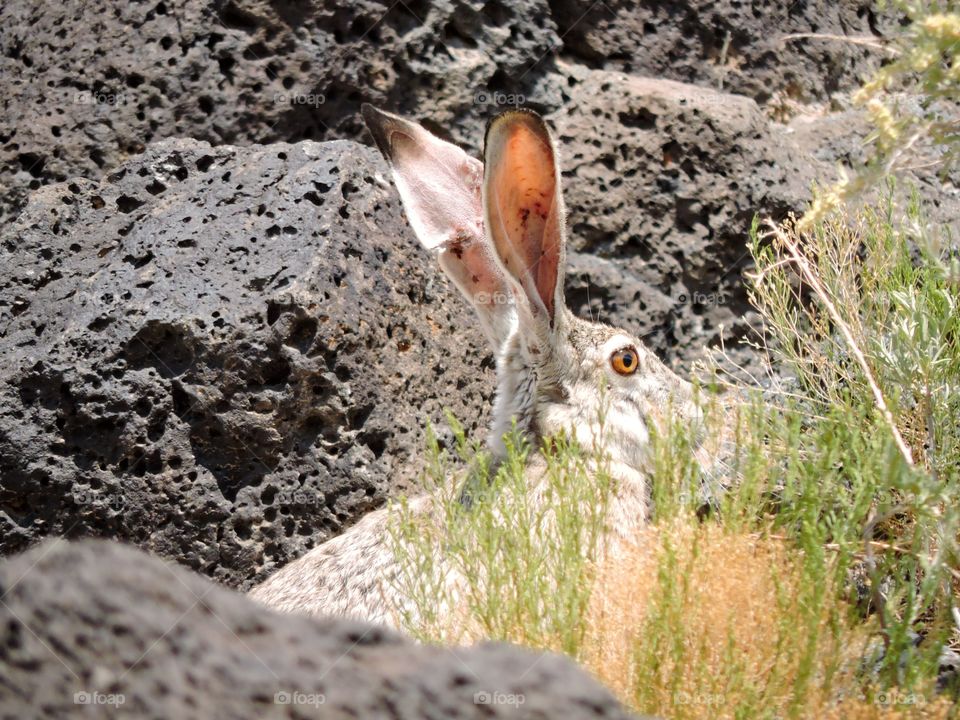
625 360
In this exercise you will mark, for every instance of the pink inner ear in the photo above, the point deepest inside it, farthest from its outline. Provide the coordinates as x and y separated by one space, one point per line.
523 208
475 269
440 186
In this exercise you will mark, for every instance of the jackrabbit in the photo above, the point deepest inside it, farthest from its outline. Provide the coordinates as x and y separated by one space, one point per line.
497 229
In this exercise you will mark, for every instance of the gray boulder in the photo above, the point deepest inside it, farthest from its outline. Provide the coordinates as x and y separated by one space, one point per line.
838 138
84 86
227 355
740 47
96 629
87 85
662 181
223 355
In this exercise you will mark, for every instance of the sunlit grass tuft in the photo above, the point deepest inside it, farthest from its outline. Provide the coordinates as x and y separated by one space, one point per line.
700 622
821 583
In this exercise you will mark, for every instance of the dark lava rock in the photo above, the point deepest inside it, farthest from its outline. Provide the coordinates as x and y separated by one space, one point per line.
838 138
742 47
227 355
96 629
223 355
662 181
85 85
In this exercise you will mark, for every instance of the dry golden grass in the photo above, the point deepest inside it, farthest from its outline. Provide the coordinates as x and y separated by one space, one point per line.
698 622
862 710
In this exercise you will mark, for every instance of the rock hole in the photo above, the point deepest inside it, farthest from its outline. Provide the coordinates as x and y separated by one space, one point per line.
127 203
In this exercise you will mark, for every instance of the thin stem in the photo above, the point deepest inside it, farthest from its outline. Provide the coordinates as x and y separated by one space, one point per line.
814 282
865 41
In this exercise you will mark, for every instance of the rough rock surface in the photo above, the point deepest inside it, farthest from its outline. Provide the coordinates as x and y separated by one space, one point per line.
662 180
87 84
222 354
96 629
226 355
84 85
742 47
837 138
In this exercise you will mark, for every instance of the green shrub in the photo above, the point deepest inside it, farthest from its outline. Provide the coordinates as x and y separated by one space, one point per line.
866 319
912 103
823 583
838 537
509 564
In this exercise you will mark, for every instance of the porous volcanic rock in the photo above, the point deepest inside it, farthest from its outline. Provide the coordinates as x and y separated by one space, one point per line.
838 138
226 355
222 354
662 180
84 85
96 629
769 50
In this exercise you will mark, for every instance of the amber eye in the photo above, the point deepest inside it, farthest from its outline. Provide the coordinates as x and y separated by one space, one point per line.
625 360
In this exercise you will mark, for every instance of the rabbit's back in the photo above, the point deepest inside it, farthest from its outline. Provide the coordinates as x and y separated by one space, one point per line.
352 575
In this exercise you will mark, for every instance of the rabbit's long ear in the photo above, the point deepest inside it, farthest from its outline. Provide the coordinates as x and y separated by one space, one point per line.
440 186
523 210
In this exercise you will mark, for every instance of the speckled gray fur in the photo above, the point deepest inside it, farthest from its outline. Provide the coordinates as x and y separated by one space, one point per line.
551 366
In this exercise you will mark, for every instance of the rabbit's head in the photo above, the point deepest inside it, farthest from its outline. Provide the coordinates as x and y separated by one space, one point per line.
498 229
